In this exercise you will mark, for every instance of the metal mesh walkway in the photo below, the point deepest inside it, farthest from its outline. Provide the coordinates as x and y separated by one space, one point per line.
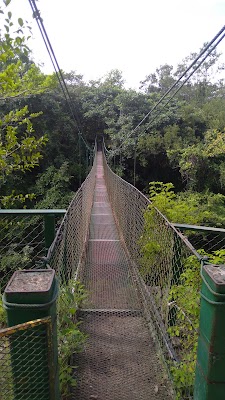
119 360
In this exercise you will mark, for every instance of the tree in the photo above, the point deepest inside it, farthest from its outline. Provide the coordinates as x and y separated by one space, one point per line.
20 149
160 81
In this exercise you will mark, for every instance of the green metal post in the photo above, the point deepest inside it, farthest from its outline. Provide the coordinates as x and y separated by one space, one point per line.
49 228
30 295
210 368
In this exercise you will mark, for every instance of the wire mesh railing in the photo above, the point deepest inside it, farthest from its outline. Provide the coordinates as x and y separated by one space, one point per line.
119 360
165 266
24 239
203 237
25 236
126 200
167 269
67 252
65 256
26 363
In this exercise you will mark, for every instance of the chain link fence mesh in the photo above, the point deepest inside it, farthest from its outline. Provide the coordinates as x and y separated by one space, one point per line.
22 242
162 260
134 264
207 238
119 360
26 364
67 252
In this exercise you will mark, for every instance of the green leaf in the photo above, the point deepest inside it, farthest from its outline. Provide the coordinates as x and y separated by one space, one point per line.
20 21
6 2
9 14
18 40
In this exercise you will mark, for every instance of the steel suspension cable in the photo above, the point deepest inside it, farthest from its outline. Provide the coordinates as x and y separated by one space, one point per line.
50 50
185 81
183 74
179 79
46 45
39 20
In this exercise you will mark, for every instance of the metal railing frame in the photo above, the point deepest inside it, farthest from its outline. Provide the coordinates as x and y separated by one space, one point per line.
204 388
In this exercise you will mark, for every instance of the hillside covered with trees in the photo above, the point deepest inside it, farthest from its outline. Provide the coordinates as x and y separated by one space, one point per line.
40 163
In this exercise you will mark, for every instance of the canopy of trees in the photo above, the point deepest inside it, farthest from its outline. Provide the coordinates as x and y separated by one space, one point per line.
39 146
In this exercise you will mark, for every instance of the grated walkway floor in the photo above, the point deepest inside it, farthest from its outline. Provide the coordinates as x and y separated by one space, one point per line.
119 361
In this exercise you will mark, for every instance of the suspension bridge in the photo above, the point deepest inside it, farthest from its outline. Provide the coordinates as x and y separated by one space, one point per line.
136 328
140 316
115 362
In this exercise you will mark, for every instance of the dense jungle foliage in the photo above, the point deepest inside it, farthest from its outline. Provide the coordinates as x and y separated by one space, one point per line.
40 166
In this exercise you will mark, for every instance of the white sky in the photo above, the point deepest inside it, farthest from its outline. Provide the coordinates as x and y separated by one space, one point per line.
94 36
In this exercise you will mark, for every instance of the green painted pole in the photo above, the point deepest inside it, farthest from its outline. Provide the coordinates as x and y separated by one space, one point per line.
49 229
30 295
210 368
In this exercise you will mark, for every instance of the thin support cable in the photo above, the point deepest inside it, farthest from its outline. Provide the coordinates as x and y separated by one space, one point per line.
178 80
185 81
56 67
184 73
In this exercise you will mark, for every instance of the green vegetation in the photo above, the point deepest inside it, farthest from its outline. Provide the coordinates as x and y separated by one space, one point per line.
20 148
70 337
178 288
12 260
2 315
185 207
194 208
182 154
184 145
186 324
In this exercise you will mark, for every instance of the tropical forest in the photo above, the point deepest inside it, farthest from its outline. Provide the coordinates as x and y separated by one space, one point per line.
173 153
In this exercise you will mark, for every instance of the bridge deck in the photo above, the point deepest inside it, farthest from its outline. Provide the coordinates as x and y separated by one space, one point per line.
119 360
